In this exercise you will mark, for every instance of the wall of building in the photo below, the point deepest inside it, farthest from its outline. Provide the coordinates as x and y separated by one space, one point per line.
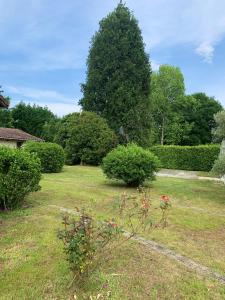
11 144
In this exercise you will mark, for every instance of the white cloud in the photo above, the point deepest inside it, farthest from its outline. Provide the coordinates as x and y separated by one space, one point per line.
48 38
60 109
37 94
206 51
166 23
56 102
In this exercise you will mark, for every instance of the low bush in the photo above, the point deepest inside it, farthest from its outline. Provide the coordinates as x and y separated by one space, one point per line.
20 173
86 138
51 155
193 158
89 242
131 163
219 166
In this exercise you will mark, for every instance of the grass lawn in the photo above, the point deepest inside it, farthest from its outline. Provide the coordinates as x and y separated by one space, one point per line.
32 262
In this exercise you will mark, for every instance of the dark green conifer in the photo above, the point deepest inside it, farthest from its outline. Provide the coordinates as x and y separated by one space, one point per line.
118 77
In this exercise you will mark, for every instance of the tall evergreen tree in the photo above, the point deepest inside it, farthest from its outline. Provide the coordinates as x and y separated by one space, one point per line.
118 76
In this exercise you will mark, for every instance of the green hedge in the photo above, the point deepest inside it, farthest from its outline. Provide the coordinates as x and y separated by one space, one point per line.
51 155
192 158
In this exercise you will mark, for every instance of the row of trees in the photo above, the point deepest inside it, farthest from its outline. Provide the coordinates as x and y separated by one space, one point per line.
141 106
30 118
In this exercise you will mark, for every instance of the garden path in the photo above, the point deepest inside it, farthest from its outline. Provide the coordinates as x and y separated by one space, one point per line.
184 174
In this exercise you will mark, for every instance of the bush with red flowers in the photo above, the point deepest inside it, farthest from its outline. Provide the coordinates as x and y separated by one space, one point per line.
88 242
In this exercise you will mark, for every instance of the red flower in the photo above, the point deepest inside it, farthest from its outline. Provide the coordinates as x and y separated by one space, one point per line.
165 198
144 205
112 224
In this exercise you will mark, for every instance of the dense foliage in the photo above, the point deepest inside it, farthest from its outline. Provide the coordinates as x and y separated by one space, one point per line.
86 138
5 118
219 166
31 118
193 158
51 155
219 130
180 119
131 163
118 77
50 129
20 173
203 119
167 90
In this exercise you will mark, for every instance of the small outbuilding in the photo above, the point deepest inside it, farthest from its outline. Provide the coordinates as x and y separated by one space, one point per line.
15 138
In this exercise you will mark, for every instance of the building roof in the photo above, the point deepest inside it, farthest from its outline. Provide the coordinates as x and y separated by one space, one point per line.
16 135
3 102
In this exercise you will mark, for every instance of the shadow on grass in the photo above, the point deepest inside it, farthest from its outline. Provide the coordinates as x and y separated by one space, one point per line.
120 184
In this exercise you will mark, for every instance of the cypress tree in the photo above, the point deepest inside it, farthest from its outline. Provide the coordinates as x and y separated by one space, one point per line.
118 77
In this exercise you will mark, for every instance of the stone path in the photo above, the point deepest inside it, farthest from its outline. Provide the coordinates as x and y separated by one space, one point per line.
184 174
181 259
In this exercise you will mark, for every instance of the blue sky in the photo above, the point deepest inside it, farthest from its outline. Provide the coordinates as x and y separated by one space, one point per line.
44 45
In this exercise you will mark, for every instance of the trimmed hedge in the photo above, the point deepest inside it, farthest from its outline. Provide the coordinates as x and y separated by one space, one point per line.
20 173
192 158
51 155
131 164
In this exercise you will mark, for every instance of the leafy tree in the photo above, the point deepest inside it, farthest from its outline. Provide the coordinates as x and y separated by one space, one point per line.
86 138
5 118
180 119
118 77
50 129
64 126
167 91
203 119
31 118
219 130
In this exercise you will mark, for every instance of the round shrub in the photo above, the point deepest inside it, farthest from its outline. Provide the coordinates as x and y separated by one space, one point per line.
132 164
51 155
86 138
20 173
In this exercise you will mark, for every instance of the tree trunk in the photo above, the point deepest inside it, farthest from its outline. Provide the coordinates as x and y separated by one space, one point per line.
162 131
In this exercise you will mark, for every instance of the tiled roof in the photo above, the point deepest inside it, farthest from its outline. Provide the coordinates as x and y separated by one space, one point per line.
16 135
3 102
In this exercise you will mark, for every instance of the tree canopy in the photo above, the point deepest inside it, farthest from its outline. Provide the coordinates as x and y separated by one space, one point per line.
167 93
117 86
180 119
86 137
203 119
219 130
31 118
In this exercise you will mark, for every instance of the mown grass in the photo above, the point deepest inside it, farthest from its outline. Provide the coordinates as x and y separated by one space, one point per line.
33 265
